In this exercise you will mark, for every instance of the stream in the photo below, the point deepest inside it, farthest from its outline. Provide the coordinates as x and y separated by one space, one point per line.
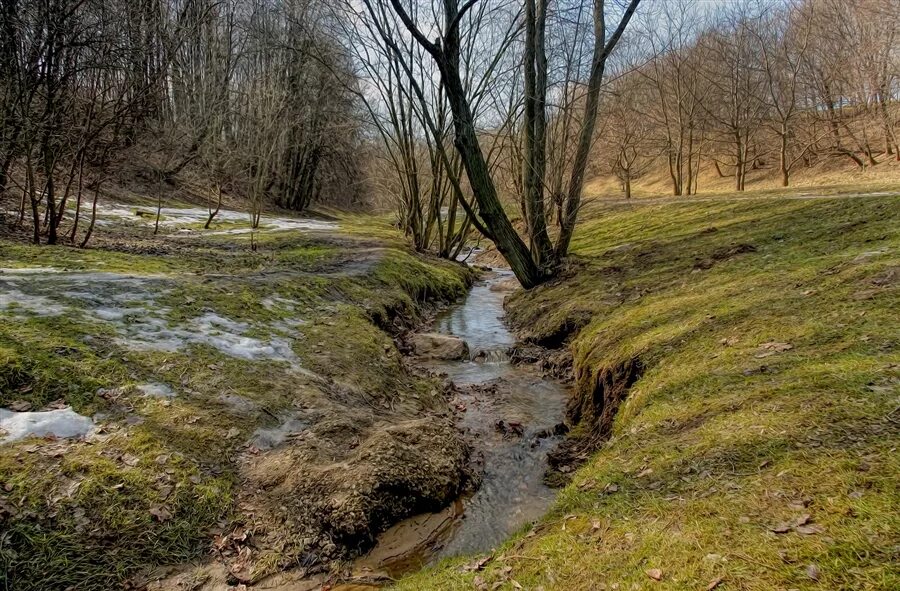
512 454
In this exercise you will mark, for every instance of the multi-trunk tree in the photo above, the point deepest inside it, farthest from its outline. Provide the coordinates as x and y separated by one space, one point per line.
441 34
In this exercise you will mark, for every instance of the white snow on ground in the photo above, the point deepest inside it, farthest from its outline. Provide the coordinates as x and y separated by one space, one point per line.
275 302
28 270
128 304
157 390
153 333
62 423
267 438
180 216
14 300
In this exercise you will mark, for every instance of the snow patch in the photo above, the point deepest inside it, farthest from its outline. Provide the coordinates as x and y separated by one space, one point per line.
267 438
179 216
13 299
28 270
62 423
127 303
278 303
157 390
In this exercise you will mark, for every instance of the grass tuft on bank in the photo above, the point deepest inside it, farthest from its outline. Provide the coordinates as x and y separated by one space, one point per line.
758 449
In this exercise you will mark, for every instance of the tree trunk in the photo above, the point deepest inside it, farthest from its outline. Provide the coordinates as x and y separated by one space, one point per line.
502 232
592 101
535 131
90 230
214 213
783 157
505 237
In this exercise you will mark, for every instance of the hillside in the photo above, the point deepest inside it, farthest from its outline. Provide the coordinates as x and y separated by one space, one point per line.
829 176
751 349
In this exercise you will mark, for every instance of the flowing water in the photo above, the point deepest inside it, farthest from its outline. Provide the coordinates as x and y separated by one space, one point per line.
513 455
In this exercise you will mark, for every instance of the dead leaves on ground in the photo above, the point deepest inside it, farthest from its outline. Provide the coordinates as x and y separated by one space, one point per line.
160 513
772 348
477 564
801 525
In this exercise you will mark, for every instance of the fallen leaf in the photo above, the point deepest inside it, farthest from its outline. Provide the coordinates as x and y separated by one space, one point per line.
476 565
611 488
777 347
232 433
809 530
479 583
646 472
655 574
802 520
714 583
812 571
781 528
20 406
160 513
516 584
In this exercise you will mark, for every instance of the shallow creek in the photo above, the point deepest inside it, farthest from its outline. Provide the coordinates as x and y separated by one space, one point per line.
512 493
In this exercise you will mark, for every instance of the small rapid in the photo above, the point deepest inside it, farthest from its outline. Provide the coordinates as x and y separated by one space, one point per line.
508 411
509 414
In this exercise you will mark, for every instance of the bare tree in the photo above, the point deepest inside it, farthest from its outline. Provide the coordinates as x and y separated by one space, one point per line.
531 266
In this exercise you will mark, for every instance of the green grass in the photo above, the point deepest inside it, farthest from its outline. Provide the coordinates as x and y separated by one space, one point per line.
721 441
86 515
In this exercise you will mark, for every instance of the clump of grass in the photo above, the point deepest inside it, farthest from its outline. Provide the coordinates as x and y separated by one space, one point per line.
43 359
758 449
96 513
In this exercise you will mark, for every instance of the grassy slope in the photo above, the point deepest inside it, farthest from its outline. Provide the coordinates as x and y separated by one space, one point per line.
88 514
723 441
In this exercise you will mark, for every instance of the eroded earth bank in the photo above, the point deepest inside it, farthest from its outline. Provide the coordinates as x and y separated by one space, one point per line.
182 410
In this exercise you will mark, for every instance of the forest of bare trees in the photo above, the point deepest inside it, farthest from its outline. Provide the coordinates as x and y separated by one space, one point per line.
753 84
251 96
465 116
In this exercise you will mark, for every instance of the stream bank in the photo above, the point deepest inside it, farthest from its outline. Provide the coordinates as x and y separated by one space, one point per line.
510 415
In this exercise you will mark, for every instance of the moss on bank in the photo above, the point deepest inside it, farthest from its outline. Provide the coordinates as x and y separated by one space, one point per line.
758 447
164 477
